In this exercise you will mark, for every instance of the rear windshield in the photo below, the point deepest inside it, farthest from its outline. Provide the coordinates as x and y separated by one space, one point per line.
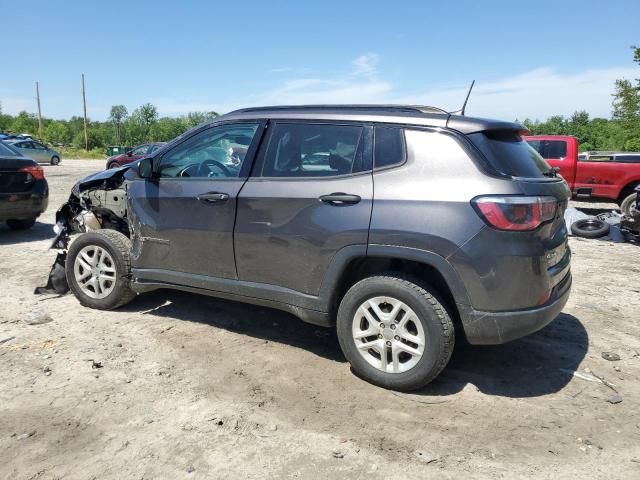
7 151
509 154
549 148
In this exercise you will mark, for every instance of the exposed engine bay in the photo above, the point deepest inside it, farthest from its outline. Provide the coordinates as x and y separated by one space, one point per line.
96 202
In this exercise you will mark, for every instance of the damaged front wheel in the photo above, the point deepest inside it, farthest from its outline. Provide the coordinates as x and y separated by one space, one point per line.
98 269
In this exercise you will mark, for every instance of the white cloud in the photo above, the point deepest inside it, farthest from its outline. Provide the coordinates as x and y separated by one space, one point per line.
366 65
537 93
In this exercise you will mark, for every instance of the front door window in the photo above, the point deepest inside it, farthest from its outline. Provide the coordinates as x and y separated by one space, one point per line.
217 152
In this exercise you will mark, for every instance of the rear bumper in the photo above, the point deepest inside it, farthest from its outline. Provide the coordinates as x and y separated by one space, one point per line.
491 328
24 205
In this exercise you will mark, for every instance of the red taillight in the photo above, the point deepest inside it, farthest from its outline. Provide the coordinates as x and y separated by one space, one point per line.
516 213
35 171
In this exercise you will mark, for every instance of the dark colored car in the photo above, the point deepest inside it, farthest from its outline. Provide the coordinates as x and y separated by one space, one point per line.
398 225
24 193
132 155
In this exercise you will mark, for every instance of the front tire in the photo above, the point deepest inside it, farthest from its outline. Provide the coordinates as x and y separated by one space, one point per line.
55 160
24 224
395 332
98 269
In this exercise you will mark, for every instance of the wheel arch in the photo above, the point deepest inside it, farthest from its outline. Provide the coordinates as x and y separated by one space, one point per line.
354 263
628 189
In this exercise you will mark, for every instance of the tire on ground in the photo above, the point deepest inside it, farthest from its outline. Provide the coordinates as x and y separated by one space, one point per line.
436 323
24 224
118 246
590 228
55 160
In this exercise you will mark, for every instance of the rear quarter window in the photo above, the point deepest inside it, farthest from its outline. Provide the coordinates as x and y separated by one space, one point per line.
509 154
389 147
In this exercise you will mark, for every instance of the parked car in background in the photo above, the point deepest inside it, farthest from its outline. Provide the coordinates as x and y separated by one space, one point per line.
134 154
591 175
37 151
277 207
24 193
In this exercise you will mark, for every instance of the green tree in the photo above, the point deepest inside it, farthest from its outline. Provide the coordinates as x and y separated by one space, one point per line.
5 120
196 118
25 123
139 124
117 116
56 132
626 105
167 128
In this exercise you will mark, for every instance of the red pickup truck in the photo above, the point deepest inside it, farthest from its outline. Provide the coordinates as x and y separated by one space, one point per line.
600 175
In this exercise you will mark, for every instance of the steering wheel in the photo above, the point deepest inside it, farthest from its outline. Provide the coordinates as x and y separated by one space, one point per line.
189 171
208 173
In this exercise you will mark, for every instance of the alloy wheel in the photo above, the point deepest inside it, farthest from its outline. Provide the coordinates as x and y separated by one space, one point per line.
388 334
95 271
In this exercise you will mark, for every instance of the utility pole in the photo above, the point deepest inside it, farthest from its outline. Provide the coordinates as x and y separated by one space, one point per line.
84 104
39 111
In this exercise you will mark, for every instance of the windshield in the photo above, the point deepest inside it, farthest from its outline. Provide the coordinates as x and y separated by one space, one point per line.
509 154
7 151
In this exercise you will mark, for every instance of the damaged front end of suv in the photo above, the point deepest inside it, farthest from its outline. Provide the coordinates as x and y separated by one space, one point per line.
98 201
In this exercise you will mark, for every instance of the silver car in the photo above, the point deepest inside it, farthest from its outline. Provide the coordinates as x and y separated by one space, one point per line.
37 151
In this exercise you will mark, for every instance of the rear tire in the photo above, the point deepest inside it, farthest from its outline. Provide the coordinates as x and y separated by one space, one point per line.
113 165
24 224
629 204
590 228
55 160
100 280
400 319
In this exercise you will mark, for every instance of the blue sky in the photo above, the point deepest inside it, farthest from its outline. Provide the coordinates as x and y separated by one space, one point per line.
529 59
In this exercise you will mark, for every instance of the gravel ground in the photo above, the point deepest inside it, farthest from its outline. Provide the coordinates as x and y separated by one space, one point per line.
180 386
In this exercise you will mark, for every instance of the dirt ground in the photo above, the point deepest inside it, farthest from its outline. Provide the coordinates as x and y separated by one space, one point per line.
180 386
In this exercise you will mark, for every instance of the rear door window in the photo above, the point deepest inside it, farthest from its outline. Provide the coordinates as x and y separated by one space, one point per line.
509 154
313 150
141 150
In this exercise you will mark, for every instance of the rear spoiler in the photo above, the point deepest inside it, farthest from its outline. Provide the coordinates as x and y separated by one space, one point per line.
468 125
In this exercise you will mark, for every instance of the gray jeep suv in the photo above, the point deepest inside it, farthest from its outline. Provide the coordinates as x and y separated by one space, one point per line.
397 224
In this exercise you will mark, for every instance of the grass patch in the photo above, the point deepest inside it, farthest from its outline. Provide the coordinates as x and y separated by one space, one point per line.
77 153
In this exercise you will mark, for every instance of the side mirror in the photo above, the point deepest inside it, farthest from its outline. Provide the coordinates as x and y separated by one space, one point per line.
145 168
129 153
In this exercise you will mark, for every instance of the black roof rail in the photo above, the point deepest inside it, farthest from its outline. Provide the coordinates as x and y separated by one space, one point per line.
361 107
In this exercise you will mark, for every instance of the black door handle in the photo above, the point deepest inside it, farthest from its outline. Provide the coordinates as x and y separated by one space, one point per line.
213 197
340 199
